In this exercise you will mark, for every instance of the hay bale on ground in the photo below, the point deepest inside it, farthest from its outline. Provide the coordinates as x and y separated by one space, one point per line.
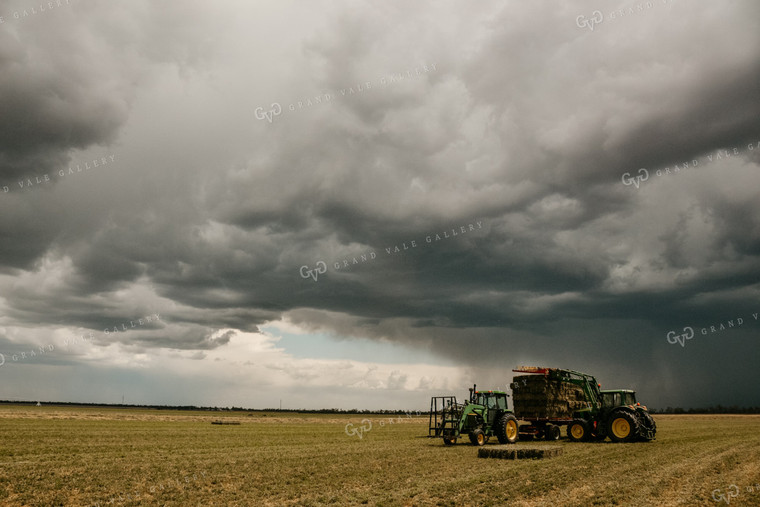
519 452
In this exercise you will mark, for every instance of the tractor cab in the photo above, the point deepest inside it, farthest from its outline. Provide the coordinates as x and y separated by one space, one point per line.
495 403
618 398
491 399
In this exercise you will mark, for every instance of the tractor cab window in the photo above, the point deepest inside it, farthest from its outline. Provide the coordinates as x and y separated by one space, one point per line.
501 402
611 400
492 402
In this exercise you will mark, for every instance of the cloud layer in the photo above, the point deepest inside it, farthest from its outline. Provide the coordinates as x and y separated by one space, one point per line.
508 125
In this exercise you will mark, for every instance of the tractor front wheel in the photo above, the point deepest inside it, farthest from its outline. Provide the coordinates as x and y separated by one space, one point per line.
578 431
477 437
622 426
507 430
449 440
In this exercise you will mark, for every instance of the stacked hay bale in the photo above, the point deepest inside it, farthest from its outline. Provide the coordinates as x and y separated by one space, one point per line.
539 397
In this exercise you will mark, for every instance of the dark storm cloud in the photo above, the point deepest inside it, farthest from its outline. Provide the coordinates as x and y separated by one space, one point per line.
50 105
523 127
530 278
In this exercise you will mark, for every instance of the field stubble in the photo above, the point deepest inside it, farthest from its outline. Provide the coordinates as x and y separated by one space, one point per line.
85 456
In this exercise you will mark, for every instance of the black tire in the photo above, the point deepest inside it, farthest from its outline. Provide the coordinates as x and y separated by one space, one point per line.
578 431
477 437
648 428
622 426
449 440
552 432
507 429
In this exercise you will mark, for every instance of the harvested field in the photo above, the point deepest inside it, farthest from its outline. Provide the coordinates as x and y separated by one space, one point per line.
85 456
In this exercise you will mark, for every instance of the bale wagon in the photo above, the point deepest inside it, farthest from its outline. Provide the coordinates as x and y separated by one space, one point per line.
549 398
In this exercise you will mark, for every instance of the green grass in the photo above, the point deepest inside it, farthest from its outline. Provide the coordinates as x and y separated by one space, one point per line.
81 456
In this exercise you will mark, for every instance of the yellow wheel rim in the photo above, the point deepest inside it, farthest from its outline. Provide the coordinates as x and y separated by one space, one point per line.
621 428
577 431
481 439
511 429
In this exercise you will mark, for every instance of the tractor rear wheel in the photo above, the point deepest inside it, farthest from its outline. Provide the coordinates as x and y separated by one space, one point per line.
578 430
477 437
552 432
507 430
622 426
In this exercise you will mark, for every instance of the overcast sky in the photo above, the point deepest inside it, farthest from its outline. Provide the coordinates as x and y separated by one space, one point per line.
363 204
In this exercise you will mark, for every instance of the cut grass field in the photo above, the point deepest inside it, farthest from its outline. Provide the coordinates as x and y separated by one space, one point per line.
85 456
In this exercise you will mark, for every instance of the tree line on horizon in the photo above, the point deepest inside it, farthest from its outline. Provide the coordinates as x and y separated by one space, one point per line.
719 409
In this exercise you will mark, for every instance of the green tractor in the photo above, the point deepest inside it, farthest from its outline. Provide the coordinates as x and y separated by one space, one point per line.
619 417
590 413
483 416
